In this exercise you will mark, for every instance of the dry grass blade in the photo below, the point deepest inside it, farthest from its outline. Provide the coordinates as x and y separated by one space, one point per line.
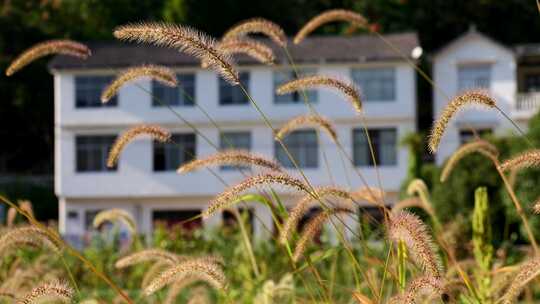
306 121
408 228
527 159
355 19
158 255
185 39
257 50
257 26
303 206
419 187
29 236
527 272
478 146
347 89
156 132
231 157
55 291
159 73
225 198
422 286
113 215
312 228
196 268
65 47
360 298
456 104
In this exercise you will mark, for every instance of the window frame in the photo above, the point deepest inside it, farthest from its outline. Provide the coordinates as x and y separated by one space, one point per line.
180 93
302 133
173 145
96 104
377 147
104 151
245 79
365 89
471 66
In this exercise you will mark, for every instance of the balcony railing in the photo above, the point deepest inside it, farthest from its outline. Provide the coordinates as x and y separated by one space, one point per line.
528 102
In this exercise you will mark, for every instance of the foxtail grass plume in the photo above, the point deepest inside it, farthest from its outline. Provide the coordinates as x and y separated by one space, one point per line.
526 273
257 26
305 203
224 199
407 227
355 19
257 50
113 215
153 272
411 202
53 291
30 236
184 39
424 286
347 89
231 157
161 74
525 160
306 121
456 104
156 132
64 47
419 187
312 228
177 287
147 255
196 268
478 146
536 206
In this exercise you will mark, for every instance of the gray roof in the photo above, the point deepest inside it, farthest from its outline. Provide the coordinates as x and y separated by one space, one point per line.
315 49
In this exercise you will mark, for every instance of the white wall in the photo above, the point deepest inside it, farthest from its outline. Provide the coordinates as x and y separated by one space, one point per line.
472 49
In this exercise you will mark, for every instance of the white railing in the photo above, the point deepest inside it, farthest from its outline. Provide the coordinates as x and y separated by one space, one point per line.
528 102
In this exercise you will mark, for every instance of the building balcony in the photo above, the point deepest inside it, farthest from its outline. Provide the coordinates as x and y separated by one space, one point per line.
527 104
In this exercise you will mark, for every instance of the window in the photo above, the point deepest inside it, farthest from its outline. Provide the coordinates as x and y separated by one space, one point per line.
303 147
185 219
181 95
474 77
88 91
467 135
384 146
377 84
283 76
234 140
233 95
169 156
92 152
532 83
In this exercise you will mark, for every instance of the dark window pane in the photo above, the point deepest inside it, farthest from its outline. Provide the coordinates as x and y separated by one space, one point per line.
182 95
384 143
233 95
88 91
91 152
234 140
377 84
303 146
474 77
467 135
169 156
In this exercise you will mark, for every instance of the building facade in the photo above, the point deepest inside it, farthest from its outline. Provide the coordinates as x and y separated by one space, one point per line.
511 75
145 181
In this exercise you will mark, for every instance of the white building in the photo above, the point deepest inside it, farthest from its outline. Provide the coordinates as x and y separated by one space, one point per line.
145 182
510 74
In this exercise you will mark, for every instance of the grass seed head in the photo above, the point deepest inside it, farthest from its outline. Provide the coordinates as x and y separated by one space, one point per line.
257 50
231 157
456 104
526 273
527 159
257 26
54 291
161 74
147 255
334 15
307 121
478 146
113 215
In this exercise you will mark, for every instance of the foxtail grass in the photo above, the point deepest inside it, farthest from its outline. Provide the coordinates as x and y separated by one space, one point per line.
184 39
64 47
113 215
252 48
257 26
306 121
53 291
527 159
347 89
478 146
161 74
154 131
231 158
526 273
354 19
